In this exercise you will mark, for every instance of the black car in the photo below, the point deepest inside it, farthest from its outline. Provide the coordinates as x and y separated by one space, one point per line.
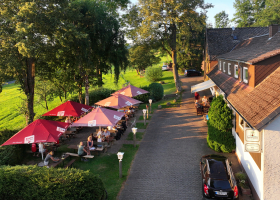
192 72
217 178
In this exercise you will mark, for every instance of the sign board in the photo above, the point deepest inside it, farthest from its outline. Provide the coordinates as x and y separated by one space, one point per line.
252 141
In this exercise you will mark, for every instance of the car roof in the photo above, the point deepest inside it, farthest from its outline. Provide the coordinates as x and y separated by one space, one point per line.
217 169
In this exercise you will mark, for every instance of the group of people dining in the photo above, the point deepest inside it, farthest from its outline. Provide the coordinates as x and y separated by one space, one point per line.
204 101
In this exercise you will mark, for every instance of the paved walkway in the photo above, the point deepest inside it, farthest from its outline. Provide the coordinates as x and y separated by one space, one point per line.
166 165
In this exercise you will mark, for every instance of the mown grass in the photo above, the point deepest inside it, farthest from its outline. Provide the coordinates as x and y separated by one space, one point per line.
142 118
107 167
139 136
11 97
141 125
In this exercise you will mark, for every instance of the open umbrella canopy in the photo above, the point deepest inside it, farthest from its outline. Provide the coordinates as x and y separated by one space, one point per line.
100 117
38 131
69 108
131 91
118 101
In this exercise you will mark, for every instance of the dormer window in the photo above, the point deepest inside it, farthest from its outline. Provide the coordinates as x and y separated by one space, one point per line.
229 68
220 65
236 71
224 67
245 75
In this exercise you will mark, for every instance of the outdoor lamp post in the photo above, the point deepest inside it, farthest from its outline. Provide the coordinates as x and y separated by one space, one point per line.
144 116
134 130
120 157
150 101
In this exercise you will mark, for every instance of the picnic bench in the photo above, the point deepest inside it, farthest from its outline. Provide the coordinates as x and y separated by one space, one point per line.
70 163
76 155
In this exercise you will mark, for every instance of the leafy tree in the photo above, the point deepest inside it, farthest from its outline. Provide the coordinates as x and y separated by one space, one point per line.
142 56
27 30
247 12
219 126
44 92
221 20
268 15
157 22
153 74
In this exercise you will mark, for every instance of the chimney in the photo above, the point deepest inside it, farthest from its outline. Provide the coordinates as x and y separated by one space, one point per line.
273 29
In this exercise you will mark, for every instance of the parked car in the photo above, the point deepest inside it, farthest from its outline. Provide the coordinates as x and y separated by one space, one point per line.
217 178
164 68
192 72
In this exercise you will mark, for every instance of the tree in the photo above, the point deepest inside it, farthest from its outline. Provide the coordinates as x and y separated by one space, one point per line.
157 22
247 12
142 56
44 92
219 126
269 13
27 30
221 20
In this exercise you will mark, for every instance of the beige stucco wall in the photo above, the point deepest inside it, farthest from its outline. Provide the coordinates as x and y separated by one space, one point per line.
271 158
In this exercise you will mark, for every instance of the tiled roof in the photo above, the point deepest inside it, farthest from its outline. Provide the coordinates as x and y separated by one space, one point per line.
220 40
257 105
255 49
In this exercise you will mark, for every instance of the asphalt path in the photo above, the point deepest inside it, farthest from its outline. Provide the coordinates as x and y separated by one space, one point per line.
166 165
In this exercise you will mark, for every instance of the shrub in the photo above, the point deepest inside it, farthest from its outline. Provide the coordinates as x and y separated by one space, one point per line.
144 97
11 154
95 95
156 91
153 74
219 126
32 182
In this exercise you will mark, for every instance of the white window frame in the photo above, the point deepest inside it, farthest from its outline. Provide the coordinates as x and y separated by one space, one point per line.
224 66
244 74
244 125
229 68
220 66
235 67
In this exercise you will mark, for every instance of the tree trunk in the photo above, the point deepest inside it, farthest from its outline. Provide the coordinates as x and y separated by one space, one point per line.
174 58
80 93
86 91
29 88
46 102
99 82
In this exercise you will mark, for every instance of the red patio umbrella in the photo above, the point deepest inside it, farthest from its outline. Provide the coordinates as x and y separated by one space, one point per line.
131 91
69 108
118 101
38 131
100 117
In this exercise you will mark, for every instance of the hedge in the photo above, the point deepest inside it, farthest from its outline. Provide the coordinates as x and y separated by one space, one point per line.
32 182
220 124
156 91
11 154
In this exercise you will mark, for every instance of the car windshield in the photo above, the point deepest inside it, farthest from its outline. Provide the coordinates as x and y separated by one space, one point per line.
164 66
219 184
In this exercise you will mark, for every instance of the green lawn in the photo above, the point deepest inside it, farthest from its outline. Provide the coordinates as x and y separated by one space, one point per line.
10 98
140 125
142 118
139 136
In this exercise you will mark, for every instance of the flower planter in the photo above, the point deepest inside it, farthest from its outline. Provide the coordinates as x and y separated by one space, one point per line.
245 191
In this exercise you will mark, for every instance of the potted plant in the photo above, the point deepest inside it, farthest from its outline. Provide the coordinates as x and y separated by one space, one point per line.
243 183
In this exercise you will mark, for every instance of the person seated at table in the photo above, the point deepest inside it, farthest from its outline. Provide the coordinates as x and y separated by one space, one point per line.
42 149
99 134
48 157
204 100
106 134
90 142
197 104
68 120
82 151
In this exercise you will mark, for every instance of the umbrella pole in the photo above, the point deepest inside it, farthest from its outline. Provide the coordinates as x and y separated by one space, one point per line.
42 155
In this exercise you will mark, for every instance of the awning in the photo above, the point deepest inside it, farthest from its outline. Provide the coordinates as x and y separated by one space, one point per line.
202 86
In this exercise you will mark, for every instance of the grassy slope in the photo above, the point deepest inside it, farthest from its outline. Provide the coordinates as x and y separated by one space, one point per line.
10 98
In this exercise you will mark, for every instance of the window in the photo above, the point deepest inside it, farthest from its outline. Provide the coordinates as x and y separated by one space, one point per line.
236 71
242 123
224 67
245 74
220 66
229 69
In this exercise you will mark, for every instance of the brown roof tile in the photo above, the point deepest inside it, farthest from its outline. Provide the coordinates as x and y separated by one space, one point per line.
220 40
257 105
255 49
